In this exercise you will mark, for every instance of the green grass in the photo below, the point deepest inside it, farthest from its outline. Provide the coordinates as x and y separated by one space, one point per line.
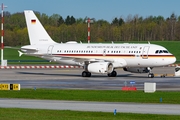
95 95
32 114
12 54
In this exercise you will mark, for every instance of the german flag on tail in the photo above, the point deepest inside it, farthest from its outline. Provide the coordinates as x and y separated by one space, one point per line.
33 21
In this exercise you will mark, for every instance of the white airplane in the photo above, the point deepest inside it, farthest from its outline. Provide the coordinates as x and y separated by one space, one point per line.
94 58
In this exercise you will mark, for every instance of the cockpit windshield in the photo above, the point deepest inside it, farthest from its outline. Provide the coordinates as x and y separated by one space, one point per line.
161 51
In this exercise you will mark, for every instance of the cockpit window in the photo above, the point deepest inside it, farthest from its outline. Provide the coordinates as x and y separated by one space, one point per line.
157 51
161 51
165 51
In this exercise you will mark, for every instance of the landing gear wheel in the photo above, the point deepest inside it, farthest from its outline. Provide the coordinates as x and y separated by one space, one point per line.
109 74
112 74
150 75
86 74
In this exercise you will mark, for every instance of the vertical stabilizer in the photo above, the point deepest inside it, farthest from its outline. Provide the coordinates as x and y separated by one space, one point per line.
37 33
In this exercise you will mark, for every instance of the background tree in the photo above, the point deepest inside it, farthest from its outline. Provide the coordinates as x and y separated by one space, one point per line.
115 21
130 28
60 21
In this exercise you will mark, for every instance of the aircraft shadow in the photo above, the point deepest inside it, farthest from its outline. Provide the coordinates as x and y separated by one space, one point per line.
32 73
79 75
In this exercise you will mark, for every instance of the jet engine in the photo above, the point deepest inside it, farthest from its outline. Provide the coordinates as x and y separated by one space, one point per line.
100 67
136 69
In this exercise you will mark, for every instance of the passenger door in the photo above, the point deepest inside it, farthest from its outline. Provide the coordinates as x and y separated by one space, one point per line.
50 48
145 52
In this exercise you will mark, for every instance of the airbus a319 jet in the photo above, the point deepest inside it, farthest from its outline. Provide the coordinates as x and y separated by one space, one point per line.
94 58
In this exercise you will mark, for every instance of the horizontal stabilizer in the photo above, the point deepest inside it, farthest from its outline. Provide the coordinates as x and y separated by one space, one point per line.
12 47
20 53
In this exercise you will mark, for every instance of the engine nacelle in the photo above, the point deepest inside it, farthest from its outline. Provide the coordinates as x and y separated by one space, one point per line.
136 69
100 67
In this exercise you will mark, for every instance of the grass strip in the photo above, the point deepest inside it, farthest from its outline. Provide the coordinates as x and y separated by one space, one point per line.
170 97
36 114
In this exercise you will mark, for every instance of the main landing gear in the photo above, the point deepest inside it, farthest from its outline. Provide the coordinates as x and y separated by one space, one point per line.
112 74
88 74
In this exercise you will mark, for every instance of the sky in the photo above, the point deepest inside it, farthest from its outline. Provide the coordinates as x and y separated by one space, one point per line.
98 9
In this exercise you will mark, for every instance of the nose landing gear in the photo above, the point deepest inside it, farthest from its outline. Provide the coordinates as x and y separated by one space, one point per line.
150 75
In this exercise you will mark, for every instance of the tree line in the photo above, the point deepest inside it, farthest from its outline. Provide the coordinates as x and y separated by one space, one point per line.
131 28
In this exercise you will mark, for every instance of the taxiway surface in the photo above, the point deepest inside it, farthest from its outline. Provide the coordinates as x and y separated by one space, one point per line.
71 79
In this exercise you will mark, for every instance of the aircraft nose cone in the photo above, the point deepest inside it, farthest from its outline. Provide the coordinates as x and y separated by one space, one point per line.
172 60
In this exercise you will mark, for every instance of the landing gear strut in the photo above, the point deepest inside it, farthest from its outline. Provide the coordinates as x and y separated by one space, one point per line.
86 74
150 75
112 74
